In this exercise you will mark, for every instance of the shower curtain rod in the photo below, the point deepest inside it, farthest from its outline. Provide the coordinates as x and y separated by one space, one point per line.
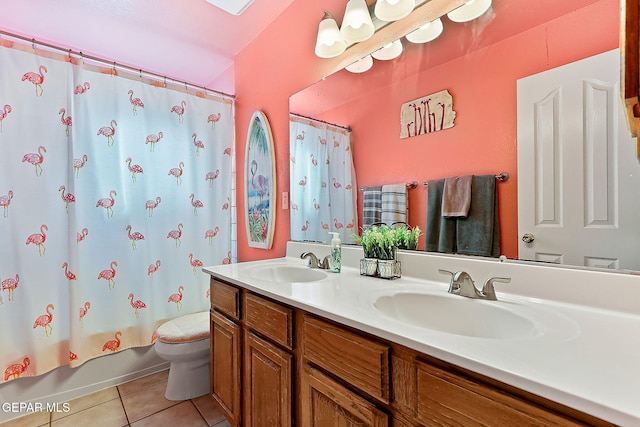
114 64
320 121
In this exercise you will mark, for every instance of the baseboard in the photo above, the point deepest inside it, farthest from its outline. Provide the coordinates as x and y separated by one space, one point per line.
65 384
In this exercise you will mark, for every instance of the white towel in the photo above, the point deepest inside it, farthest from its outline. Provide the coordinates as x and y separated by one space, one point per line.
394 203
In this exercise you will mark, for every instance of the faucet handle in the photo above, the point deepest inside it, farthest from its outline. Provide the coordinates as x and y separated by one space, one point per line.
325 265
488 290
441 271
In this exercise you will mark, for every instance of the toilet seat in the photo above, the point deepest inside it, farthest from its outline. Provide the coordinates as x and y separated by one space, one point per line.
184 329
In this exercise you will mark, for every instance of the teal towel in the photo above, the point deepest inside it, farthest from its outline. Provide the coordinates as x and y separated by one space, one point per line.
479 232
440 233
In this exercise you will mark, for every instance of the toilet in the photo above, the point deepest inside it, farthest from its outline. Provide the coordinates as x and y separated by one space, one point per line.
184 341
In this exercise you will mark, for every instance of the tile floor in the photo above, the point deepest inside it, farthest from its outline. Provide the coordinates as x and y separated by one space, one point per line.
139 403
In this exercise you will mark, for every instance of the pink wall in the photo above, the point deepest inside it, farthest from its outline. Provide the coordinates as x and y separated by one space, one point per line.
482 82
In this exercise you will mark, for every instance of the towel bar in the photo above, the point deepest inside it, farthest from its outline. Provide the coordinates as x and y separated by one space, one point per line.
410 185
503 176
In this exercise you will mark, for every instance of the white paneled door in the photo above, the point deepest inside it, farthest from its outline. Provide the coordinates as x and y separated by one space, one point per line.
578 175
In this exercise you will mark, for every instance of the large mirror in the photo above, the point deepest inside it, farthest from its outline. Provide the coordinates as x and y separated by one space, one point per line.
480 64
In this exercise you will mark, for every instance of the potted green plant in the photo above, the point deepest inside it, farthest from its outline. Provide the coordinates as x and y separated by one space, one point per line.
387 248
407 237
385 238
379 247
368 265
414 235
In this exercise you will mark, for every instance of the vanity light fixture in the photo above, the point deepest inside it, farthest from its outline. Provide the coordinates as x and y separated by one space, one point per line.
389 51
329 42
357 25
361 65
469 11
366 29
427 32
392 10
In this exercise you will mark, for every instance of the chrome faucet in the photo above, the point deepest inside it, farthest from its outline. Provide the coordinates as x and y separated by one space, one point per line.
462 284
314 262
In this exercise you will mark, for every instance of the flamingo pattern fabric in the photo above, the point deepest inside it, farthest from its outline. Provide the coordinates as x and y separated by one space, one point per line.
112 201
37 78
323 181
3 114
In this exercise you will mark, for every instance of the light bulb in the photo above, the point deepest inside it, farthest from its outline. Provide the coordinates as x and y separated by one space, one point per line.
329 42
356 24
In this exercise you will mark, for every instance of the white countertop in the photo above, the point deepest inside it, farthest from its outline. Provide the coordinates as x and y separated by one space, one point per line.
589 360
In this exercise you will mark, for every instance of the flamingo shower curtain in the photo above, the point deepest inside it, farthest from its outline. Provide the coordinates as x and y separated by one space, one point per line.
323 181
114 191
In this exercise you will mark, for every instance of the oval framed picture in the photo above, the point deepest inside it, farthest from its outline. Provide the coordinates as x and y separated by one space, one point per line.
259 178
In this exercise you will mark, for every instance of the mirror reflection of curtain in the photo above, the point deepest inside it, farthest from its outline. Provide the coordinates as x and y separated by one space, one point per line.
112 200
323 181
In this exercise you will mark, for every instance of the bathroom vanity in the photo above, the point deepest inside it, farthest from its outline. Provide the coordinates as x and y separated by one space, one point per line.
298 346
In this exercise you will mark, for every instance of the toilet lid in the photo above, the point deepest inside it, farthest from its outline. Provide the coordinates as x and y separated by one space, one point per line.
192 327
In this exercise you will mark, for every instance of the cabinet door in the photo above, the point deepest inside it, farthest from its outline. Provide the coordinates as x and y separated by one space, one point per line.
324 402
225 366
267 384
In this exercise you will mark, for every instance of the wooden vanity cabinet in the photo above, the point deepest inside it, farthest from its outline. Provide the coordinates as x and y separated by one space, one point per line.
268 362
443 396
251 357
431 392
226 348
273 365
225 366
344 379
325 402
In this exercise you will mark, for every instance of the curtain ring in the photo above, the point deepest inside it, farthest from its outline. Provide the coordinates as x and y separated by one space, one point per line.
33 43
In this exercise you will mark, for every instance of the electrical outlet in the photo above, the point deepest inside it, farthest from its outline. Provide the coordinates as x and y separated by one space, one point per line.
285 200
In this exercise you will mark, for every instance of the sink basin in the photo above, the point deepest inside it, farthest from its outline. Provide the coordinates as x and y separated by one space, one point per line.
459 315
286 273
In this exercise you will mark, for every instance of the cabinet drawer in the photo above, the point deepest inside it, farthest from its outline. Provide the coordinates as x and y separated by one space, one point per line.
444 397
270 319
225 298
360 361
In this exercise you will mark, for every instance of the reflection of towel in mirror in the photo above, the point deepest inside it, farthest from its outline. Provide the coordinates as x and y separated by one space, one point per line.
479 232
394 203
456 196
372 206
440 233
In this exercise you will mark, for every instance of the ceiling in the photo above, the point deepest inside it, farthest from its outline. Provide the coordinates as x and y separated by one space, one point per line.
194 41
188 40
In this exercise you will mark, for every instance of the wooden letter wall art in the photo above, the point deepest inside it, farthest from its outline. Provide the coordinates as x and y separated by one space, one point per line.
431 113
